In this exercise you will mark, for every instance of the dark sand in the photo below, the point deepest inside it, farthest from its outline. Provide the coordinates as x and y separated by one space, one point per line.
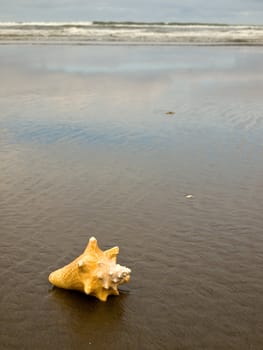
86 148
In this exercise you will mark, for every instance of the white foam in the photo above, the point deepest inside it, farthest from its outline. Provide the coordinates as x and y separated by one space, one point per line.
152 33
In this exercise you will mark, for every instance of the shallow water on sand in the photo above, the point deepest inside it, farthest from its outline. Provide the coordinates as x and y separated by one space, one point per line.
86 148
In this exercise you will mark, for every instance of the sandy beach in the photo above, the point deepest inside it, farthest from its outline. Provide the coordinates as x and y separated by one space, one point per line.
88 148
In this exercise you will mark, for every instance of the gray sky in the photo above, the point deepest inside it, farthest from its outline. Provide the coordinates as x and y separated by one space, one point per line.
221 11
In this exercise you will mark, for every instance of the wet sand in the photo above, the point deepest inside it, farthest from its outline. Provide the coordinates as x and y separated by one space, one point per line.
87 148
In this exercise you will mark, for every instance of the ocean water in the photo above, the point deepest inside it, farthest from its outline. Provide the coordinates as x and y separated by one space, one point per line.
128 32
88 148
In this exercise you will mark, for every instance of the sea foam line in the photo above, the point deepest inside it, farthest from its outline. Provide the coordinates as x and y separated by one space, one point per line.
172 33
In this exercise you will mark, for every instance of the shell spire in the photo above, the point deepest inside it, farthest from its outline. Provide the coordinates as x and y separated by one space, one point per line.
94 272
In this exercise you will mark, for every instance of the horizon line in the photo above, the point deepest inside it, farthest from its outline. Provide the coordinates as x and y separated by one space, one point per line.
106 22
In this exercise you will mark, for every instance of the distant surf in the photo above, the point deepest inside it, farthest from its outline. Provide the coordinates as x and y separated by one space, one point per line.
131 32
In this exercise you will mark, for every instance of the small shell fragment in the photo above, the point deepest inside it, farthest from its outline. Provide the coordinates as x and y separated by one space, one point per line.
170 113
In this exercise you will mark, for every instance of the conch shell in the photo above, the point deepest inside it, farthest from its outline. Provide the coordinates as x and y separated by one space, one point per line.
94 272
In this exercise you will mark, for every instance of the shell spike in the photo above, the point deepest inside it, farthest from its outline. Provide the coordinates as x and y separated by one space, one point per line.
80 264
92 245
87 288
112 253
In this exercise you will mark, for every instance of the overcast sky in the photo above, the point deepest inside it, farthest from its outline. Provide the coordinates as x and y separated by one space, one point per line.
221 11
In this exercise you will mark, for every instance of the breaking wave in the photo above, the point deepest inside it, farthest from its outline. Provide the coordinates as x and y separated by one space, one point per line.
131 32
